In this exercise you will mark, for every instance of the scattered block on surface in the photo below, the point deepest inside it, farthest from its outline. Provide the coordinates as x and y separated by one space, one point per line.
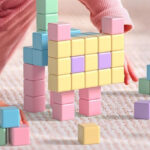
9 117
118 75
3 136
118 58
89 133
148 72
28 55
144 86
104 77
75 31
142 110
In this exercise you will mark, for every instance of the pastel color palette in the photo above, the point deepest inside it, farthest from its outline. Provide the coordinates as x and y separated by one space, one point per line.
75 31
3 136
144 86
28 55
148 72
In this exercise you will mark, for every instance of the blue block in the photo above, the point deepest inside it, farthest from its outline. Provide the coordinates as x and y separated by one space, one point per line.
75 31
28 55
40 40
91 33
9 117
40 58
148 72
79 35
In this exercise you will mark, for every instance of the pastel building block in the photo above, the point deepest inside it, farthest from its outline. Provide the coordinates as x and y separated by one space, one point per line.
90 93
104 60
47 6
91 62
59 31
112 25
3 136
9 117
104 77
118 75
60 49
117 42
34 88
32 72
52 98
117 58
40 40
34 104
91 33
40 58
89 133
28 55
78 81
142 109
63 112
144 86
20 136
80 35
59 66
148 72
75 31
77 64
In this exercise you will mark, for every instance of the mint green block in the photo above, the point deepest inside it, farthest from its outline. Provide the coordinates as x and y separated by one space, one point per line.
43 20
3 136
47 6
144 86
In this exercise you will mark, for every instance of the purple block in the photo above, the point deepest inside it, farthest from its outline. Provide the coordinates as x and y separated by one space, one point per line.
142 110
104 60
77 64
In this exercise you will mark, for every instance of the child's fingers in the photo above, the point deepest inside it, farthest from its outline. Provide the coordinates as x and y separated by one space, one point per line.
126 78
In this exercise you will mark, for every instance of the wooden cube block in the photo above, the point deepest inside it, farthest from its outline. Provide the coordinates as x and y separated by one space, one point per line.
117 42
28 55
118 59
118 75
144 86
3 136
75 31
104 77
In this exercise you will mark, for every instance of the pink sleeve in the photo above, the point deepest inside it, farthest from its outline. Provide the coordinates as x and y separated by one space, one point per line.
100 8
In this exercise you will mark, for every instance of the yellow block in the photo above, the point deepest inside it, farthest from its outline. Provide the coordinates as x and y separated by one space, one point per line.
78 81
104 43
104 77
89 133
91 79
118 75
77 46
117 58
59 66
59 49
59 83
91 62
117 42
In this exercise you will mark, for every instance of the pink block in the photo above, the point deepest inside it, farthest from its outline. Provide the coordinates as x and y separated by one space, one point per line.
51 98
59 31
34 104
90 108
63 112
90 93
112 25
32 72
34 88
20 135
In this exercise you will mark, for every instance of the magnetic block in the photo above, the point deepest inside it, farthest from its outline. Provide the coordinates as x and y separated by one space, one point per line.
104 60
9 117
47 6
60 49
90 93
75 31
89 133
63 112
118 75
117 58
44 19
77 46
91 79
117 42
32 72
59 66
91 62
3 136
90 108
34 104
20 136
144 86
40 58
59 83
148 72
28 55
112 25
142 109
77 64
34 88
104 77
40 40
59 31
78 81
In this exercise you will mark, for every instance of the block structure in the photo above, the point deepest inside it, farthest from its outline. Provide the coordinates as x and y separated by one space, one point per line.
3 136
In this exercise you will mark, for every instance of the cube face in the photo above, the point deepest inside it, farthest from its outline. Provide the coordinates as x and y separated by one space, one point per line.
75 31
118 59
144 86
148 72
104 77
28 55
118 75
3 136
117 42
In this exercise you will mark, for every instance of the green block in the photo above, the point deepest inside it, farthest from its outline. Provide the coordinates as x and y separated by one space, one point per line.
144 86
3 136
43 20
47 6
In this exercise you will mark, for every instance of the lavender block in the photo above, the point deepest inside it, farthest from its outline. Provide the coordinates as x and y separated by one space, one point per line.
77 64
104 60
142 110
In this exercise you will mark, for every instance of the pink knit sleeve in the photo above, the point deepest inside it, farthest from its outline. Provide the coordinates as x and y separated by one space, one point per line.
101 8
